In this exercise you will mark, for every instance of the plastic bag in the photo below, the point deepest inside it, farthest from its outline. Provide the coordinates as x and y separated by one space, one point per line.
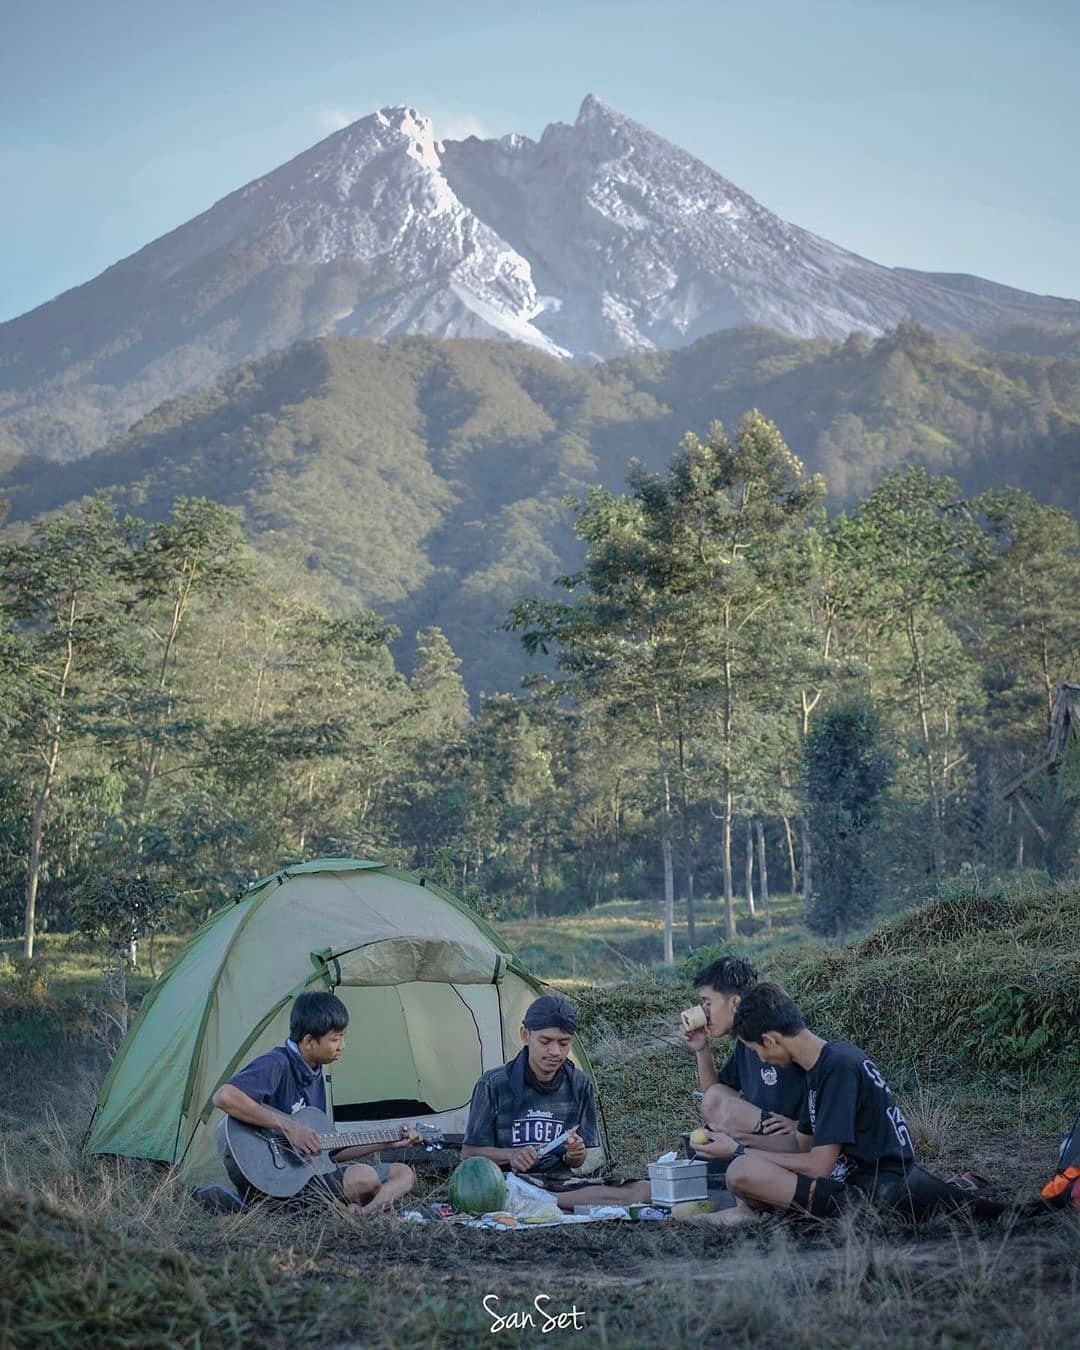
522 1198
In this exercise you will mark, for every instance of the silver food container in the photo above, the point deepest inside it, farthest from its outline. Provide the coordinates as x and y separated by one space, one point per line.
673 1182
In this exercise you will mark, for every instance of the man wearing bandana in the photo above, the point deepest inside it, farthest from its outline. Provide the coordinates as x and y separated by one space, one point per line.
520 1107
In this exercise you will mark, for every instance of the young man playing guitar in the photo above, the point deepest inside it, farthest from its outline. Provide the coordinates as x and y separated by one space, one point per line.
272 1088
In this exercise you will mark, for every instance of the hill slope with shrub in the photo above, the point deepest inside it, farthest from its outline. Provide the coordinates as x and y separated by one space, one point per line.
428 478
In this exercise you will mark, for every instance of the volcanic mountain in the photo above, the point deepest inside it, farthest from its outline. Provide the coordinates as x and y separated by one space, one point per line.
597 240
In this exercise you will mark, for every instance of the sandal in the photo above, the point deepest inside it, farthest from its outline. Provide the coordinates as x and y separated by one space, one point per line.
970 1181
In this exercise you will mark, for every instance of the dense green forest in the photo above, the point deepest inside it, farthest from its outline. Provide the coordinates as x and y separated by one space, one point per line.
427 479
737 685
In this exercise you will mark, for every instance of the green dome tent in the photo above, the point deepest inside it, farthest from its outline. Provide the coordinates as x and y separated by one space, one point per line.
434 999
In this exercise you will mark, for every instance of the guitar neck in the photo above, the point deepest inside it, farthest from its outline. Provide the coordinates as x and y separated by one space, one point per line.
353 1139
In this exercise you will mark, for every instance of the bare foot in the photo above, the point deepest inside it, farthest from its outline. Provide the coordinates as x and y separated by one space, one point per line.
732 1217
369 1210
740 1214
372 1207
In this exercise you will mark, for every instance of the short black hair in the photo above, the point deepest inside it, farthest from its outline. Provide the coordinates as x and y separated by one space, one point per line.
766 1008
550 1010
729 975
315 1015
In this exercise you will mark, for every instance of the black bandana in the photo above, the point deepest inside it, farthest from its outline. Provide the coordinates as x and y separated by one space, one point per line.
551 1010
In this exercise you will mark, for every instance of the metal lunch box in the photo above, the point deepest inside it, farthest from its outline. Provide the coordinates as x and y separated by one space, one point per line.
673 1182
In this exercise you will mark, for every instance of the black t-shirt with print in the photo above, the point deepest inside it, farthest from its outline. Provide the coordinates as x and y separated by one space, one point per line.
498 1119
781 1091
849 1103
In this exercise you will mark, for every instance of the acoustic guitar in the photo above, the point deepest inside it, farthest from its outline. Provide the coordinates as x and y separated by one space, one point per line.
271 1165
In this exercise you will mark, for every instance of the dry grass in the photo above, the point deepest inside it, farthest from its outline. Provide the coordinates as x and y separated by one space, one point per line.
107 1277
99 1252
934 1122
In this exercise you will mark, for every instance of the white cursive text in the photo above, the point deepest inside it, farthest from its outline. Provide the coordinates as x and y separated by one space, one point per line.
522 1318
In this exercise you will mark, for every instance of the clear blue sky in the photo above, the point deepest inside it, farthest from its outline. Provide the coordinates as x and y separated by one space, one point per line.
933 135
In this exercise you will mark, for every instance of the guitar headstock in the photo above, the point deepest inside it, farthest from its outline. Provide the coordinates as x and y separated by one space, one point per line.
430 1134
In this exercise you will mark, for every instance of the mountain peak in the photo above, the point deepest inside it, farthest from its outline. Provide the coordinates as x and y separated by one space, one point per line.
594 109
385 127
602 238
603 126
419 132
405 119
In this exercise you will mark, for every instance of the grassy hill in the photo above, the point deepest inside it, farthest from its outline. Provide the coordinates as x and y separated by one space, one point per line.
428 478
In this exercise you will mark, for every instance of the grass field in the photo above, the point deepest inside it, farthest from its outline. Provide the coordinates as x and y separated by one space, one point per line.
626 937
96 1251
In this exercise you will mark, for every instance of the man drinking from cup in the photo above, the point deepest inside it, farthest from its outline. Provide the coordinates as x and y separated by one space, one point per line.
746 1101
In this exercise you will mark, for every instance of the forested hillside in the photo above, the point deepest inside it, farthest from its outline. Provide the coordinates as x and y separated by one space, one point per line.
427 479
746 689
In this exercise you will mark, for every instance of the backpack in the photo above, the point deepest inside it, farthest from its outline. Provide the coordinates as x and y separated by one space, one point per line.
1064 1187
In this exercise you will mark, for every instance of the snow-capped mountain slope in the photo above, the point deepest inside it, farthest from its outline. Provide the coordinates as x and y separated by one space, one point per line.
372 195
641 245
598 239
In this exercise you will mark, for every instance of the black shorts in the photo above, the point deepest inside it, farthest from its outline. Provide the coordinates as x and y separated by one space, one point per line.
326 1184
913 1194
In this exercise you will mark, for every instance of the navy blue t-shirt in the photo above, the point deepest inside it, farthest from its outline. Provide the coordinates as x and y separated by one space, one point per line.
283 1080
781 1091
849 1103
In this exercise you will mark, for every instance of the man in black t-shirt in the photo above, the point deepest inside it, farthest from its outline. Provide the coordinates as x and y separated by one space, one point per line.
849 1103
522 1106
852 1136
748 1101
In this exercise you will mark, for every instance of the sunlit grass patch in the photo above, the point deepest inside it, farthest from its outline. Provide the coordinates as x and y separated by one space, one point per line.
621 938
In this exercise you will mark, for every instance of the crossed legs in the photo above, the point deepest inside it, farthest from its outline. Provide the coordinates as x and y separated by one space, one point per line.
366 1192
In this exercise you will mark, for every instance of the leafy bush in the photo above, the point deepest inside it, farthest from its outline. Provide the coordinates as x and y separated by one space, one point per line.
24 981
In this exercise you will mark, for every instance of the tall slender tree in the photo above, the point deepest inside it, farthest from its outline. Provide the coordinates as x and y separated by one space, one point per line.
197 554
925 551
62 592
846 772
734 550
682 578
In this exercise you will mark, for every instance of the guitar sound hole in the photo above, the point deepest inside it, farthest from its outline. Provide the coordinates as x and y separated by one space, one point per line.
388 1109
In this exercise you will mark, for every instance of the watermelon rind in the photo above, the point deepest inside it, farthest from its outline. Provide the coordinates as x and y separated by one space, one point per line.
477 1186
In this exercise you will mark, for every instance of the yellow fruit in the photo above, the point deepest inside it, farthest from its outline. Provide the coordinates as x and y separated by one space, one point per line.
700 1137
